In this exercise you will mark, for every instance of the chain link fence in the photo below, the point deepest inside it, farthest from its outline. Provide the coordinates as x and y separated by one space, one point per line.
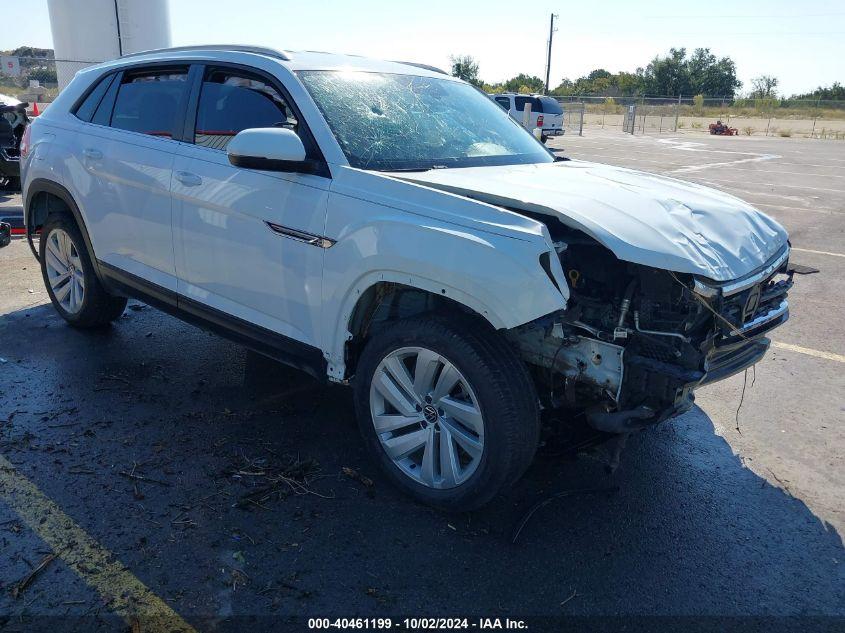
749 117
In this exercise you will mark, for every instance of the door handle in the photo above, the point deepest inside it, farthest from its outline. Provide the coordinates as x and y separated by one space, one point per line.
94 154
188 179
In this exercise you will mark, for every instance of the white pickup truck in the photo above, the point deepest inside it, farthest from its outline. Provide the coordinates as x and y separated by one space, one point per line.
544 112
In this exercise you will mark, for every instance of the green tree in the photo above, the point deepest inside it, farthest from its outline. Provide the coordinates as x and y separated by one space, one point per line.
711 76
764 87
668 75
465 67
599 73
534 84
836 92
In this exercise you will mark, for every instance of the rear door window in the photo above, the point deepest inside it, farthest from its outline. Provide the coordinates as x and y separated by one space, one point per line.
230 102
522 101
150 102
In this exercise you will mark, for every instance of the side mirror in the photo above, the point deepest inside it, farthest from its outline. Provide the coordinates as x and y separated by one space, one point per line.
270 149
5 234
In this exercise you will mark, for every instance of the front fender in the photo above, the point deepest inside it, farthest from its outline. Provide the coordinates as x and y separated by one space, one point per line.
498 277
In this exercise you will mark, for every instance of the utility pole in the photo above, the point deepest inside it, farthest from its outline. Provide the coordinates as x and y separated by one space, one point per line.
552 30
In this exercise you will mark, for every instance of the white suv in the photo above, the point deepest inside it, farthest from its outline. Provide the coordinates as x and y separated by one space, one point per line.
546 114
385 225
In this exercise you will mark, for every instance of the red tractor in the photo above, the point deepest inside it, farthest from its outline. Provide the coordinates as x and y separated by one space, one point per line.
722 130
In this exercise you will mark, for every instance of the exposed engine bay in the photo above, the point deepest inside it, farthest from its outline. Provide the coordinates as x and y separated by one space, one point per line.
636 341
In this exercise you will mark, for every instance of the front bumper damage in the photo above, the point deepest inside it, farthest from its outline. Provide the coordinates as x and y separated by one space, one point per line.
667 339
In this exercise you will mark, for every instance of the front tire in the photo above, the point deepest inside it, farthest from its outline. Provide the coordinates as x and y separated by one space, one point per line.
448 410
76 293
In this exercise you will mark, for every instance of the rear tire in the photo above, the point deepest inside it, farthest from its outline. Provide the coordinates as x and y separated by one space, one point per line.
456 388
68 273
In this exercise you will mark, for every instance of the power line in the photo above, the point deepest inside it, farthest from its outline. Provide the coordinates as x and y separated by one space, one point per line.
716 16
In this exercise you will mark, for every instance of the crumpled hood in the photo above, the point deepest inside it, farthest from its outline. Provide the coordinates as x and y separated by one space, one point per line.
643 218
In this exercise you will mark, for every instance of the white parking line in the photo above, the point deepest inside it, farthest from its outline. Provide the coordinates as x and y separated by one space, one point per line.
785 208
772 172
730 163
839 358
769 184
807 250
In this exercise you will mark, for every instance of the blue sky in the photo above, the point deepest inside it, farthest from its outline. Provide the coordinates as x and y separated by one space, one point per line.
801 43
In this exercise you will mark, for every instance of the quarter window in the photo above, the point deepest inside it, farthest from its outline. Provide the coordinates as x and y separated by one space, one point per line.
505 102
87 108
149 103
231 102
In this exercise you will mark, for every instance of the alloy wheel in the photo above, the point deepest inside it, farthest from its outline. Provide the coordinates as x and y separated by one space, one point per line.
427 417
64 271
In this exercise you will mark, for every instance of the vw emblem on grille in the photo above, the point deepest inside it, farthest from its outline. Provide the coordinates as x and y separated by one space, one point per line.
751 303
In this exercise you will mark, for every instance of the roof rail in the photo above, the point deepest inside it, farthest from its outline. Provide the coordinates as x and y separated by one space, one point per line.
261 50
433 69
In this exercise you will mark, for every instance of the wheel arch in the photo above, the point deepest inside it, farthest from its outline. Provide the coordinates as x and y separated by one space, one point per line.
45 197
382 298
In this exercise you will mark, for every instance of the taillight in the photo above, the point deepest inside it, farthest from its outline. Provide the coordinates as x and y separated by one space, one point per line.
540 121
25 141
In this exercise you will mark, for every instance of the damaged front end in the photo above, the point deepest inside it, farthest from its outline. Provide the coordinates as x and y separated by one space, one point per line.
635 342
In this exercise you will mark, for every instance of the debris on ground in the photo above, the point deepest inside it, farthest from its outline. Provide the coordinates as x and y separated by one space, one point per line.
560 495
574 594
292 476
356 476
27 580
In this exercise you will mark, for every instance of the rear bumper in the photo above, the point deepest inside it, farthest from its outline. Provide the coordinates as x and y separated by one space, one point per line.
554 132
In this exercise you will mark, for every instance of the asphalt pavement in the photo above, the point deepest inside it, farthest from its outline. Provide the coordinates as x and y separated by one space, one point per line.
159 468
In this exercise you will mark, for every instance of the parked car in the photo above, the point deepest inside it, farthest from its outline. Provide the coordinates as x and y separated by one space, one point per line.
13 121
546 112
383 225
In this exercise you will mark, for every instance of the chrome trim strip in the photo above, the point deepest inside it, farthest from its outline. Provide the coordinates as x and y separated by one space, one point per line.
300 236
708 290
771 315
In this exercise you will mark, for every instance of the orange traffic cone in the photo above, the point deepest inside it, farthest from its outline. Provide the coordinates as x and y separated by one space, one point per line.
35 109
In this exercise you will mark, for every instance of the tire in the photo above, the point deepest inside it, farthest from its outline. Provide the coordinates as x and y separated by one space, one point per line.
484 430
82 301
544 138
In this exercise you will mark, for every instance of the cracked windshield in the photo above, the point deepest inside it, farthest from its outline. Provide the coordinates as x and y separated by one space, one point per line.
404 122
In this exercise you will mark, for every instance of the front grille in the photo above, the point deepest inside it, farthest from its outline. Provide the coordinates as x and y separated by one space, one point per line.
758 300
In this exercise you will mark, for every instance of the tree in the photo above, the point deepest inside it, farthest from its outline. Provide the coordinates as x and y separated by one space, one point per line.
668 75
836 92
532 83
701 73
599 73
711 76
764 87
465 67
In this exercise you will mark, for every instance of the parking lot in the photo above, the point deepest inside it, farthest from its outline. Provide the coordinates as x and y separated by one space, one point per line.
156 466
